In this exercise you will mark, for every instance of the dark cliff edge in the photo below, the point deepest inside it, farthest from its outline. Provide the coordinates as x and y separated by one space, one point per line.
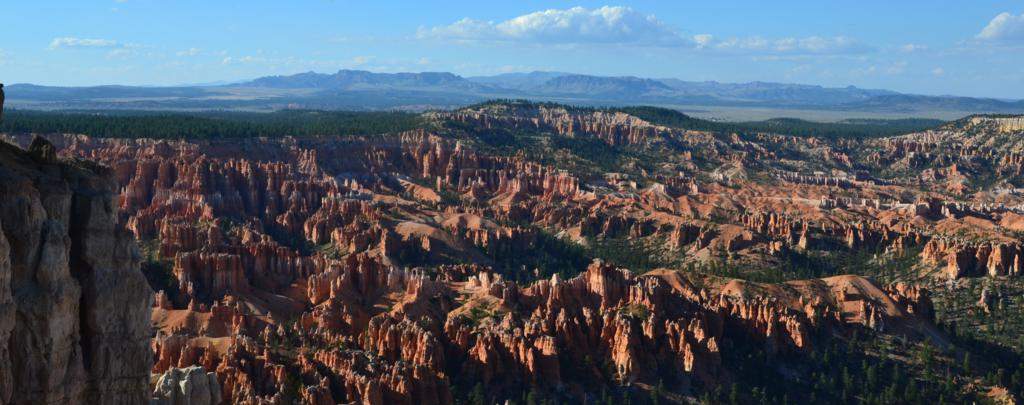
74 307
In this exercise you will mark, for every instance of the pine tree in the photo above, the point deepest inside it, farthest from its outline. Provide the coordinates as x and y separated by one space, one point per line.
734 394
476 396
871 375
531 397
911 394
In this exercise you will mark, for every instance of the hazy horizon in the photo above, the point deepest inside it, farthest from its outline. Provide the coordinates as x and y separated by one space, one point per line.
912 47
226 82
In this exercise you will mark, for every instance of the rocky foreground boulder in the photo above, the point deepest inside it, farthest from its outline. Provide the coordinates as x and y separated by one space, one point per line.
187 386
74 307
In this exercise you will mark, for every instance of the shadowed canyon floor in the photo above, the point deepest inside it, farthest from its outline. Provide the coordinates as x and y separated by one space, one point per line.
537 253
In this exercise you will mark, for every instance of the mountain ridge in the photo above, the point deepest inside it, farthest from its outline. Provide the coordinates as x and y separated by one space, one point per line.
361 89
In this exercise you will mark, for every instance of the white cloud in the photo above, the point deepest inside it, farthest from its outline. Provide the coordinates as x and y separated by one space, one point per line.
814 45
909 48
231 60
865 71
703 40
890 69
801 69
189 52
938 71
120 53
1004 27
625 26
577 25
72 42
896 68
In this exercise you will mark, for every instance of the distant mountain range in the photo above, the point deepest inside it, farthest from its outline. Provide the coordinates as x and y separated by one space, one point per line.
363 80
356 89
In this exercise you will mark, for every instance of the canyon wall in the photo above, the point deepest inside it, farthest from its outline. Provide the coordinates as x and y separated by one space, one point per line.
74 308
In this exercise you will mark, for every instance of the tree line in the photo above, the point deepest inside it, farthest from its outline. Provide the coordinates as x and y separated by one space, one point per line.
208 125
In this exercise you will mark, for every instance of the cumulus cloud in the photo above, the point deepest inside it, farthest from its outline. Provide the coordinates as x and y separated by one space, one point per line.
577 25
72 42
1004 27
625 26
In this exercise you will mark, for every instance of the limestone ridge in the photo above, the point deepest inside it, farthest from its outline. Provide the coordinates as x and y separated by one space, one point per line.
1004 124
74 307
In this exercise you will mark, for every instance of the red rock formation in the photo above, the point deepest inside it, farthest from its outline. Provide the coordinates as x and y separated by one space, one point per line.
356 269
973 259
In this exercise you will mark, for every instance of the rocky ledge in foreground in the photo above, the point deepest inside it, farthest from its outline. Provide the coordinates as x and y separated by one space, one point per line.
74 308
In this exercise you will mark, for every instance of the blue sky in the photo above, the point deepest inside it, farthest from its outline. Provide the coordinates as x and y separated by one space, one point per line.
973 48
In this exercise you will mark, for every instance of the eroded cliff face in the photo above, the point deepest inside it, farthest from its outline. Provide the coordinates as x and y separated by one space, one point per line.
74 308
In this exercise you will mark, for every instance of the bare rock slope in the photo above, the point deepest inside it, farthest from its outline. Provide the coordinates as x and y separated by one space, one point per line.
74 308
